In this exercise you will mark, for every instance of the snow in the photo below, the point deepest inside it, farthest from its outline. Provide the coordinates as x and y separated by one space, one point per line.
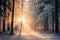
30 36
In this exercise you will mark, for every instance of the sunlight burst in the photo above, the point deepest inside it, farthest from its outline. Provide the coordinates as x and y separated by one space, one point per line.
27 0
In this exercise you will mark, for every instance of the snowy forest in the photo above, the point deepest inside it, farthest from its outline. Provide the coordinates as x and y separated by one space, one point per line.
19 16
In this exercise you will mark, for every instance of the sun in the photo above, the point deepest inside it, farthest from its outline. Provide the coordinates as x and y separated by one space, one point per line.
27 0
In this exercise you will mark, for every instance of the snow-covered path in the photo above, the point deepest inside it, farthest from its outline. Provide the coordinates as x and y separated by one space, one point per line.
38 36
30 36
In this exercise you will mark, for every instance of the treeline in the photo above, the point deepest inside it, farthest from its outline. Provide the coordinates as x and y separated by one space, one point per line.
6 16
48 14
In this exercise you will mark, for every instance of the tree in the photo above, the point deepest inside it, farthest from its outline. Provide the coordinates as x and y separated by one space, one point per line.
8 14
56 17
4 14
1 10
12 17
53 22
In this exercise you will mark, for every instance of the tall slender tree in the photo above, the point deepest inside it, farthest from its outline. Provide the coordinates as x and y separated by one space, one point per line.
8 4
56 17
4 14
0 13
52 22
12 20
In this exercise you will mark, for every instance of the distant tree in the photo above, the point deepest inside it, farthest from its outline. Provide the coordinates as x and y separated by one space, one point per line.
8 7
4 14
1 10
52 22
56 17
8 24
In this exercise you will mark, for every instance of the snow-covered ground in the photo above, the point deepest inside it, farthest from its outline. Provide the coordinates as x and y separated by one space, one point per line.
29 36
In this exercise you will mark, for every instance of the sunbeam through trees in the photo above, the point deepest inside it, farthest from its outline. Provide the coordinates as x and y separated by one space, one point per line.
30 18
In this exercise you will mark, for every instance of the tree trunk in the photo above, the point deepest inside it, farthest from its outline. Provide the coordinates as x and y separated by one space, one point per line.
56 17
8 29
52 22
12 20
46 22
4 4
0 14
